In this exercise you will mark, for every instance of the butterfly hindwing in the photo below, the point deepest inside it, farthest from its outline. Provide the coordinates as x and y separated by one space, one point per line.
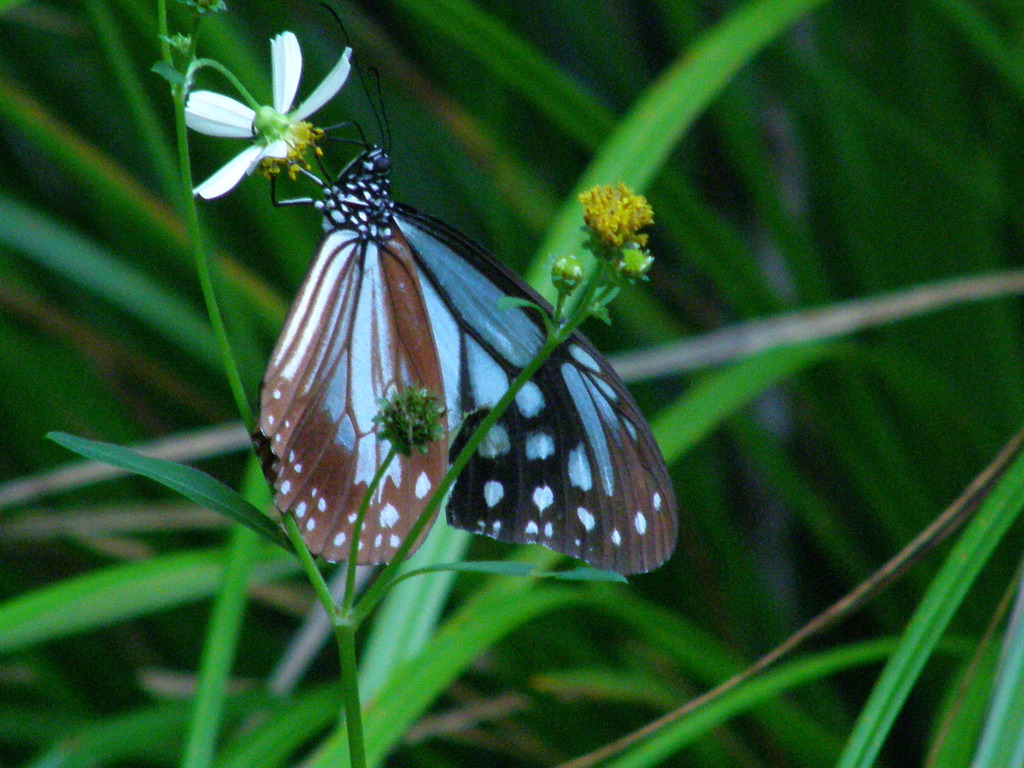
572 464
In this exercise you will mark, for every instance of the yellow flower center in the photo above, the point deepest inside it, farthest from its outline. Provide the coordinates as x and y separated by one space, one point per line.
299 137
617 215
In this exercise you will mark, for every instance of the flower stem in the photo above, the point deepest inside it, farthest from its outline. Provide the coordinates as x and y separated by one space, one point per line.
204 269
346 634
345 626
323 592
357 529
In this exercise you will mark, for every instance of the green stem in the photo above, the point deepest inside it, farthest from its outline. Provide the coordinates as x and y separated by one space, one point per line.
345 627
346 634
357 529
221 646
316 578
198 64
204 269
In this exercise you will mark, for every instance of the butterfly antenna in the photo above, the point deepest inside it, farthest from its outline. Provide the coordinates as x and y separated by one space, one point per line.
375 105
383 124
347 40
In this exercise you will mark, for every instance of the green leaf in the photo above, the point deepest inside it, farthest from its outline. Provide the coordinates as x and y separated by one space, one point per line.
724 393
492 612
758 692
408 617
519 569
944 596
55 246
582 573
188 481
512 302
1002 740
112 595
168 73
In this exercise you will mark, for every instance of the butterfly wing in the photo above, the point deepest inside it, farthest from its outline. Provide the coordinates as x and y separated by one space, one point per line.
572 464
354 334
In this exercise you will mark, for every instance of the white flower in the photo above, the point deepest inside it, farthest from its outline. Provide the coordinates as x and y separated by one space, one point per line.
278 131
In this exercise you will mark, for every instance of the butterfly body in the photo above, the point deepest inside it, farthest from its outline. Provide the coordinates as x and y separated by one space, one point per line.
394 298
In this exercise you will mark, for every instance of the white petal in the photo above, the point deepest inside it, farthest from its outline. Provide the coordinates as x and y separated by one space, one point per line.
286 63
218 115
224 180
278 149
326 90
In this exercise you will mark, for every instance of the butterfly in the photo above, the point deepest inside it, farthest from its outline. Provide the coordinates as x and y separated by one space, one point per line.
394 298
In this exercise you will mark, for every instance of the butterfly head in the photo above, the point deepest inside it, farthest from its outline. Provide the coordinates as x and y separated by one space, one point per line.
360 198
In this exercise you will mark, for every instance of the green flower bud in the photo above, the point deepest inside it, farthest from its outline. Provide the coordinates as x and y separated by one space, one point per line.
634 264
566 274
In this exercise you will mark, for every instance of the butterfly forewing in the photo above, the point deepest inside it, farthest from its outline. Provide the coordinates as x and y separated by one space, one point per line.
354 335
572 464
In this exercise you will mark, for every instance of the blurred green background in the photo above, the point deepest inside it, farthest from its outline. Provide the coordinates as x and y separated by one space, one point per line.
797 155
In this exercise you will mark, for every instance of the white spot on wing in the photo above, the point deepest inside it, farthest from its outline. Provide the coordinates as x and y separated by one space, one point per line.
531 528
543 497
539 445
640 522
579 468
394 541
656 499
584 358
549 530
616 537
493 492
495 527
286 486
300 510
609 392
388 516
530 400
339 539
373 333
366 461
583 398
586 518
495 443
311 524
487 380
422 485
